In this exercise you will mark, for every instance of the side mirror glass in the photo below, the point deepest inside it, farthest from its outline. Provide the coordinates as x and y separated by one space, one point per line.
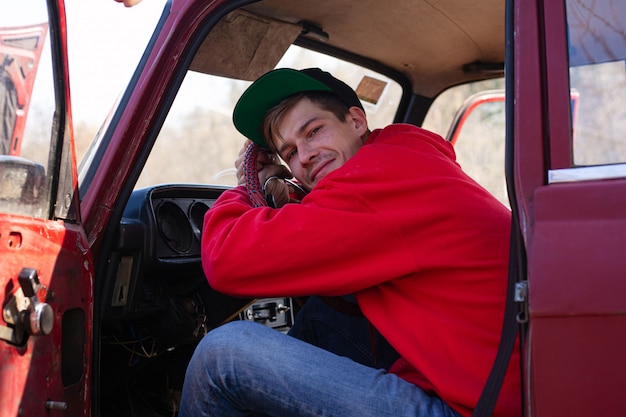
22 184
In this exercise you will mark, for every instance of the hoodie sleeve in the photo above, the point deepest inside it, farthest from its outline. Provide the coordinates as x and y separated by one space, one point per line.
316 247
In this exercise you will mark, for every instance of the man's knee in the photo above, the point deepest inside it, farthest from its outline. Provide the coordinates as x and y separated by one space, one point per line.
231 354
228 339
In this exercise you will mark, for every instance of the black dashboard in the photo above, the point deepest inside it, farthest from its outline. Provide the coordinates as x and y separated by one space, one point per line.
154 278
156 303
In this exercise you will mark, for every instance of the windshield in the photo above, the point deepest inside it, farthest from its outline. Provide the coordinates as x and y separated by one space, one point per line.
199 143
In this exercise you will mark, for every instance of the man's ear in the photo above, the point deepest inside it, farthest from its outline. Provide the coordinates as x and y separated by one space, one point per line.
357 116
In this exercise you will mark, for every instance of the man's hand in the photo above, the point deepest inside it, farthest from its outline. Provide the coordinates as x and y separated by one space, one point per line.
270 171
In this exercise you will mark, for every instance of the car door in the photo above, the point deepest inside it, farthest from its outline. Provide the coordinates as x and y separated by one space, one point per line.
570 181
45 263
20 51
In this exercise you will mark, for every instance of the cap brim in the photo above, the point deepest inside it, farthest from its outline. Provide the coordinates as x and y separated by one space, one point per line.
265 93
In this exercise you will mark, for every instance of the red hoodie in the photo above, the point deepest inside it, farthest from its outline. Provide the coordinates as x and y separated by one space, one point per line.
422 246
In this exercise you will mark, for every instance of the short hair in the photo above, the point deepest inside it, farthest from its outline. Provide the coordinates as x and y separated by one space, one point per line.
325 100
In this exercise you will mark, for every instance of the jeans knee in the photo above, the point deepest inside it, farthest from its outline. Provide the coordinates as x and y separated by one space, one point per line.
232 355
224 346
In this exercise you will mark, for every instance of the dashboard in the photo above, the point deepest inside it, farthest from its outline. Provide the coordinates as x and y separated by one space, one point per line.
156 303
154 280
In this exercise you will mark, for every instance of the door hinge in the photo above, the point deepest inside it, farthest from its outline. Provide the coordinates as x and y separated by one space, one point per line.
521 297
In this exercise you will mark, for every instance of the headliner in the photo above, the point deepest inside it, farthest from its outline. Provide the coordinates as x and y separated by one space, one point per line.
429 42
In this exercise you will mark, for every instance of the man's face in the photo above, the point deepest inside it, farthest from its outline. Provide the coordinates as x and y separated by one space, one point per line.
313 142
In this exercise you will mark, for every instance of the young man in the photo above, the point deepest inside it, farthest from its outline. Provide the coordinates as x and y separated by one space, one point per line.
391 219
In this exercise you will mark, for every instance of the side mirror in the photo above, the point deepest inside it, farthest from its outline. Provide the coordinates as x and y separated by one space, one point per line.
22 183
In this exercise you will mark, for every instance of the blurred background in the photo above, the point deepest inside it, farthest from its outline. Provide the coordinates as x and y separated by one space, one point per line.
105 43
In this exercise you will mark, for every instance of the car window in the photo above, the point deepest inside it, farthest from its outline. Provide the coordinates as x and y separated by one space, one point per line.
198 142
597 54
27 105
472 116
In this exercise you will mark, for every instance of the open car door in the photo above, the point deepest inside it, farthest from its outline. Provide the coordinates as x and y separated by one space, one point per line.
570 184
20 51
45 263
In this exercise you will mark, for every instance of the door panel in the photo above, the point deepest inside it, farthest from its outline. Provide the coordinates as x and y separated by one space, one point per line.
579 235
40 369
577 303
575 219
576 372
46 270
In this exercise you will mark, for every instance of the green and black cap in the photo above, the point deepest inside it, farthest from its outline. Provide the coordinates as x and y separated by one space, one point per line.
275 86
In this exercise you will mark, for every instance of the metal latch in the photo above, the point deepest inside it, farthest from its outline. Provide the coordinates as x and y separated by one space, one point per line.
272 312
267 311
24 313
521 297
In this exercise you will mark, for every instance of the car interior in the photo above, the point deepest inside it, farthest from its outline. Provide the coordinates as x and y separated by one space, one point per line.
155 304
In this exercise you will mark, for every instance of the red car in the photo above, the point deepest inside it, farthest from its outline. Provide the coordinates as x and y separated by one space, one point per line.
20 51
103 295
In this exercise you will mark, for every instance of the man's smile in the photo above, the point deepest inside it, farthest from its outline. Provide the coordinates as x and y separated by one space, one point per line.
319 171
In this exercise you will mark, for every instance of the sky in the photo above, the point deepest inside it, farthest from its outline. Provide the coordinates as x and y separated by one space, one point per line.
105 43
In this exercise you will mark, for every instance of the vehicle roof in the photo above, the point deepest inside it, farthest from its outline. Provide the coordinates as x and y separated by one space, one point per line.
434 45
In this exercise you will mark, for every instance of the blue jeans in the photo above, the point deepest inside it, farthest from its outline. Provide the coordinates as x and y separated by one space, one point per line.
247 369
